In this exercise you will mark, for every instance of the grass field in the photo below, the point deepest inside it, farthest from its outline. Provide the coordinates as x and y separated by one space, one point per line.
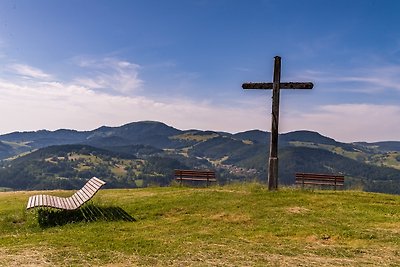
236 225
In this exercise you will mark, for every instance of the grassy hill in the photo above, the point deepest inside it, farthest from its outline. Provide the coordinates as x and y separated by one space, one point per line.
235 225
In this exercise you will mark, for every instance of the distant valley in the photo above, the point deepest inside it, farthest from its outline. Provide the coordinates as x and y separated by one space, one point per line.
145 153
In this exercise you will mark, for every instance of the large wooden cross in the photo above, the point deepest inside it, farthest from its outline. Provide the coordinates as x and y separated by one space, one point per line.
276 85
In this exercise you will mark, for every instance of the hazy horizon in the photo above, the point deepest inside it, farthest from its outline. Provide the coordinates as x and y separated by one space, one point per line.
188 129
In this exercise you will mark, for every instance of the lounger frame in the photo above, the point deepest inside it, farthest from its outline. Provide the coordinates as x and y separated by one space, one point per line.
70 203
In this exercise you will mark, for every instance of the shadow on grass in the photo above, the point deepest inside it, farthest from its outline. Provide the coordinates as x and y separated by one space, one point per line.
87 213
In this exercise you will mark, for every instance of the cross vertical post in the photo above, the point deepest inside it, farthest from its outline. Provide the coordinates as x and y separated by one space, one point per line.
273 150
276 86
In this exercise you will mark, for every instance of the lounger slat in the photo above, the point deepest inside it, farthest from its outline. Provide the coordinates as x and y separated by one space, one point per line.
57 203
36 200
95 184
91 187
76 203
87 192
53 201
49 201
99 181
44 201
70 204
73 200
29 202
77 200
61 201
64 204
82 196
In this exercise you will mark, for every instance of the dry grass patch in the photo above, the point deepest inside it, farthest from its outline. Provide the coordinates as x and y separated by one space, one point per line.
24 257
297 210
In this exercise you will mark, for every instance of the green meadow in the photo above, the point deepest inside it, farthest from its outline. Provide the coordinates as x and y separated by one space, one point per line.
235 225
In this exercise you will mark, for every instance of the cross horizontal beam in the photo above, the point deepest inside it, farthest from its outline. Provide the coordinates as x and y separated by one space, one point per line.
289 85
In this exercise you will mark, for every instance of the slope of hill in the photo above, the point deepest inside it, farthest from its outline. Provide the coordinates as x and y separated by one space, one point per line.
5 150
388 146
149 151
254 136
68 165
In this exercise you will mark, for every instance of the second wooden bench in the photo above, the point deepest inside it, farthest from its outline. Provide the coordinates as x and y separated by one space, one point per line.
319 179
195 175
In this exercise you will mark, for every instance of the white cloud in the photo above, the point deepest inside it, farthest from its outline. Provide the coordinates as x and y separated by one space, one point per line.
34 104
350 122
367 79
29 71
111 74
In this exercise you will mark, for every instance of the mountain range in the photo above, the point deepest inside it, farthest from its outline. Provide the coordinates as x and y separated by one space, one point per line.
144 153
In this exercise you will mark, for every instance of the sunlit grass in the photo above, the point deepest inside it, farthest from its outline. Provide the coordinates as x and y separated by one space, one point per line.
237 225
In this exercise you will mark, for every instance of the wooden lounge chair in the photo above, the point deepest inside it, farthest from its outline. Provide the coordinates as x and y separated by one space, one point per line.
70 203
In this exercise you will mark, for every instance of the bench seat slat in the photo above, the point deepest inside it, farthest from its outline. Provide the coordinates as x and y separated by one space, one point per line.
195 175
321 178
197 179
320 183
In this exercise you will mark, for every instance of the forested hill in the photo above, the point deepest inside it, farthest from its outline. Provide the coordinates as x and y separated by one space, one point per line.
145 153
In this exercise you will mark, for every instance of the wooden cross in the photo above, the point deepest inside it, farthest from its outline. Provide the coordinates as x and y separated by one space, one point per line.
276 85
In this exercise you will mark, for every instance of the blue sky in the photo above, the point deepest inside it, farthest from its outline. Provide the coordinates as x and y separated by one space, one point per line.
83 64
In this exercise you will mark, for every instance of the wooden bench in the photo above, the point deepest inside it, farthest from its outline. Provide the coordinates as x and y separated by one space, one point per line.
70 203
319 179
195 175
